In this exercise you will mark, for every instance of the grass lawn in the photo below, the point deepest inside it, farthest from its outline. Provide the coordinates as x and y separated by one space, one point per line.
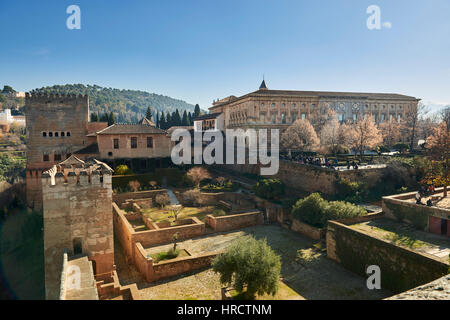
405 235
284 293
165 215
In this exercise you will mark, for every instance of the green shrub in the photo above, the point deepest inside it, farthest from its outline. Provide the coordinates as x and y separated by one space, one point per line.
251 264
351 191
218 212
401 147
311 210
316 211
383 149
229 186
169 254
122 170
269 188
337 210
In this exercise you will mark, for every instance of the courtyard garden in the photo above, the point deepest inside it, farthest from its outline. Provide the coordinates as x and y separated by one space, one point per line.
167 214
306 272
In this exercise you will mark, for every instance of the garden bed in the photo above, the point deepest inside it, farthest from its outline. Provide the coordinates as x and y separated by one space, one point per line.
166 255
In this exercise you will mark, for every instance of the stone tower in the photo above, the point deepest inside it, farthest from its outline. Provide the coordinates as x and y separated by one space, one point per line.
77 208
56 126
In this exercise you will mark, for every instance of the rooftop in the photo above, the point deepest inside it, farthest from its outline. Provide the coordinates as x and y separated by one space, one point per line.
264 91
208 116
131 129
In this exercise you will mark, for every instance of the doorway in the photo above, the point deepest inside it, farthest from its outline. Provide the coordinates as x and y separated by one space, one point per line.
77 246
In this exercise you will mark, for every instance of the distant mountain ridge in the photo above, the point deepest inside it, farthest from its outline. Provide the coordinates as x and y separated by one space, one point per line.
128 106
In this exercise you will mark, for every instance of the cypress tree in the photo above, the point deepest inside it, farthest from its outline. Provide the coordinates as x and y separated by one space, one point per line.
196 110
111 119
169 122
185 120
162 121
148 114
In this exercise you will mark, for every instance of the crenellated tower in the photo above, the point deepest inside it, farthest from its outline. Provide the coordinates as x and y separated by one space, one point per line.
57 126
77 209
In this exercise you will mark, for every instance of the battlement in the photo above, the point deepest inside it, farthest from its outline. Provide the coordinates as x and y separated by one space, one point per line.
55 98
76 172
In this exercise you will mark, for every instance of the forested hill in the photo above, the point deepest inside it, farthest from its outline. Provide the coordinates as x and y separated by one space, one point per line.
127 105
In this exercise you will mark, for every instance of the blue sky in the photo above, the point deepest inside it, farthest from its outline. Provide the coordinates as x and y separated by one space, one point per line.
207 49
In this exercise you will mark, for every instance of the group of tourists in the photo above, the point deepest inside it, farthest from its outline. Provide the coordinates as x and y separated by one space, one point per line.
425 191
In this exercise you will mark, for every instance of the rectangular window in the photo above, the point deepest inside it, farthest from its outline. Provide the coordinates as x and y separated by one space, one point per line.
149 142
57 157
116 143
133 142
46 157
303 115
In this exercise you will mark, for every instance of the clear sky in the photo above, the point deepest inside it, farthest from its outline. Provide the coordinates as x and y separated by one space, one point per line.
207 49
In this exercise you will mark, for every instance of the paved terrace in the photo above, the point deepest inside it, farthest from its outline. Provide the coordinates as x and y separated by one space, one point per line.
305 269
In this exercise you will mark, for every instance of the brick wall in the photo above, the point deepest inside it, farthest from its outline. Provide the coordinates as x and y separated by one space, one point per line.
188 228
236 221
151 271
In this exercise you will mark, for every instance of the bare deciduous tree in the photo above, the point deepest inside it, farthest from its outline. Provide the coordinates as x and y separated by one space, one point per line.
438 145
134 185
329 135
364 134
197 174
162 200
391 133
300 136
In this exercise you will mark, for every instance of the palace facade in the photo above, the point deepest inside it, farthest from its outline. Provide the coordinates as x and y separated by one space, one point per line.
279 108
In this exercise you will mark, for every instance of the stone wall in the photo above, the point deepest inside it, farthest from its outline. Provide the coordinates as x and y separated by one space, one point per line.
235 221
401 268
309 178
150 238
396 207
436 290
308 230
120 198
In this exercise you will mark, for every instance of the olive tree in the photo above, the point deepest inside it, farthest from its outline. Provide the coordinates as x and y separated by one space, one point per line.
249 264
